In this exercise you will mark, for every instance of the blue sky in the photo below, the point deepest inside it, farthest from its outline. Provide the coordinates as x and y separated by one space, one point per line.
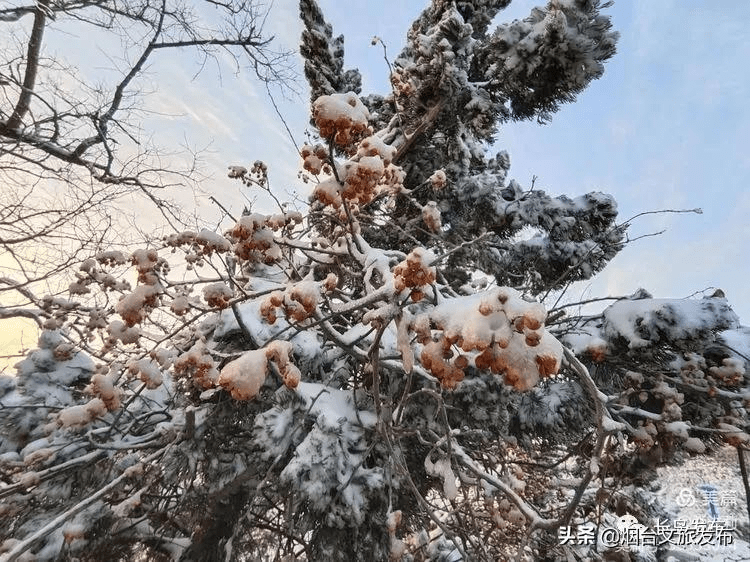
664 128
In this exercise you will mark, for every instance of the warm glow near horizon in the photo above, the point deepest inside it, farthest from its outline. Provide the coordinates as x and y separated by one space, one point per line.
17 337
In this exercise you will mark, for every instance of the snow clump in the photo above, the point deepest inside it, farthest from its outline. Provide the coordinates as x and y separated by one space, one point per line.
244 376
342 115
504 333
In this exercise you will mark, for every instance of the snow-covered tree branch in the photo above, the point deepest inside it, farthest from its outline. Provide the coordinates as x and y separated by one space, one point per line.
377 377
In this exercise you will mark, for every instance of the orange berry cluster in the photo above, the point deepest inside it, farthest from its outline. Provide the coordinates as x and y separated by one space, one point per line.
515 372
64 352
253 239
201 244
89 274
198 366
414 272
314 158
259 171
278 352
598 351
644 435
110 258
730 372
431 217
147 370
218 295
439 358
362 178
341 116
135 307
502 332
298 302
374 146
438 180
530 326
244 377
368 170
148 264
180 305
258 174
103 387
328 192
330 283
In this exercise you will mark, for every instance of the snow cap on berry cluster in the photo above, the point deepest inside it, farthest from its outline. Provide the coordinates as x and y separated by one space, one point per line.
342 115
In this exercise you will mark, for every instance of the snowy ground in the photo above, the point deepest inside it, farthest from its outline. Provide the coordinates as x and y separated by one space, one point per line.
707 488
698 506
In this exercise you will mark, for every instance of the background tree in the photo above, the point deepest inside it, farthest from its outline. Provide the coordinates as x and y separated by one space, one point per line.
72 146
373 379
